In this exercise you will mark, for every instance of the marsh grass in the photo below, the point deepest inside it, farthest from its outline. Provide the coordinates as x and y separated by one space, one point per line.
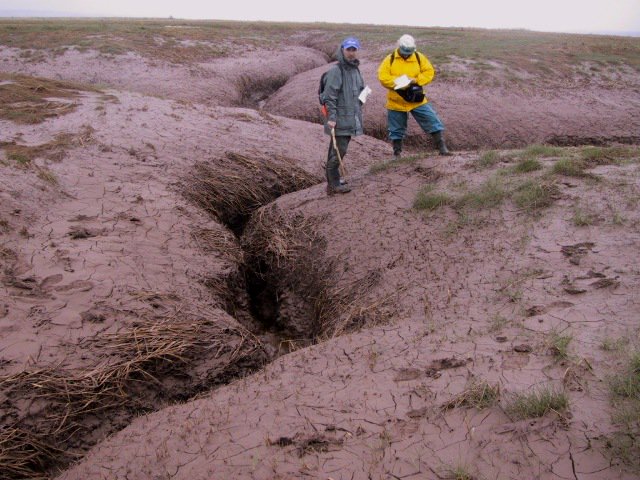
488 159
489 194
537 403
559 344
535 194
184 41
617 155
527 165
540 151
570 167
478 394
613 345
386 165
459 472
427 199
29 100
47 176
625 399
582 218
498 322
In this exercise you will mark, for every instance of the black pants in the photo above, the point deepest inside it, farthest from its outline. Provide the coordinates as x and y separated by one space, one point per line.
333 172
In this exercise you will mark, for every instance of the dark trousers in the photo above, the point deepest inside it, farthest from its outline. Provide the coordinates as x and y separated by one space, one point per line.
332 170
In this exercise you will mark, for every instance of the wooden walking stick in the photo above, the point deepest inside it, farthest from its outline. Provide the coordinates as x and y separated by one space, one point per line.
341 168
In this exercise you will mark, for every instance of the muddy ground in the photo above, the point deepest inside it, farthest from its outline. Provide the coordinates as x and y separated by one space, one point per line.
180 299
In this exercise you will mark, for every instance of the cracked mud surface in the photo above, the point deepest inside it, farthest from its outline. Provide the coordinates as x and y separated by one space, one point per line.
113 243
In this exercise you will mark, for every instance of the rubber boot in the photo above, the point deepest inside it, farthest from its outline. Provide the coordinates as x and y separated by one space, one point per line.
397 149
334 184
440 143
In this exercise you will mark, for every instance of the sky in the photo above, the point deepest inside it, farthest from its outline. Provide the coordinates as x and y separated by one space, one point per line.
584 16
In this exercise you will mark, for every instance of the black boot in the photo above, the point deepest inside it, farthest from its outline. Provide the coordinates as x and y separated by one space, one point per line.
440 143
334 182
397 149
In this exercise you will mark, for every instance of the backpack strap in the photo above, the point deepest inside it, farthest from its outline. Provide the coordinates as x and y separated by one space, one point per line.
393 57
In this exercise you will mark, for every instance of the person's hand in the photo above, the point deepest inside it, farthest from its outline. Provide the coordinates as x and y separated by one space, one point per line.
331 124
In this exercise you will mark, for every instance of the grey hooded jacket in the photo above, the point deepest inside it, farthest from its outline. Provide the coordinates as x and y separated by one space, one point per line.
342 87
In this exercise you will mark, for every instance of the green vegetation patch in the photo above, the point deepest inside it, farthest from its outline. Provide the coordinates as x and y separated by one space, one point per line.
535 194
488 195
427 199
625 399
488 159
538 403
570 167
527 165
559 344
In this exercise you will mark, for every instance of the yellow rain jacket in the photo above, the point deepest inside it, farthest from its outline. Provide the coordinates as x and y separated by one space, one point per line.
388 72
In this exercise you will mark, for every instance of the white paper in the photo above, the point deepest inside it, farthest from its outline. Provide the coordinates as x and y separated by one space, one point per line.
401 82
364 94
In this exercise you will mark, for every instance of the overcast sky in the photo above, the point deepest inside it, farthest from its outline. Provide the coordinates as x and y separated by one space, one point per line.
544 15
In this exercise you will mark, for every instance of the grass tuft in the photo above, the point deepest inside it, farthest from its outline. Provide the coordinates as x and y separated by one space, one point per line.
488 159
535 194
538 403
427 199
583 218
570 167
559 344
490 194
625 398
527 165
479 394
541 151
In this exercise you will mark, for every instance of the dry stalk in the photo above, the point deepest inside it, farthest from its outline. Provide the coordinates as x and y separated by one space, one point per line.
478 394
231 187
60 400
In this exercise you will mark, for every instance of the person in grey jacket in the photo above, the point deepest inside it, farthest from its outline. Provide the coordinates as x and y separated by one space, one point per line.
342 87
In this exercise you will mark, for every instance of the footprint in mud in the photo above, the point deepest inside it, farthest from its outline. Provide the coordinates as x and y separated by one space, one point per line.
51 280
577 251
77 232
542 309
75 286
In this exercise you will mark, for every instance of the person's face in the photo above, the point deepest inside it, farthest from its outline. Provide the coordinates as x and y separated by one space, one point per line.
405 55
350 53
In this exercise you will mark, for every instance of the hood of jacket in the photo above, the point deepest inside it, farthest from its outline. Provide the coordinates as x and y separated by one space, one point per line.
344 62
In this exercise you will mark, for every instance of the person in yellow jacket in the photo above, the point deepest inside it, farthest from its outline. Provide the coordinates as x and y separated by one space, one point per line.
404 73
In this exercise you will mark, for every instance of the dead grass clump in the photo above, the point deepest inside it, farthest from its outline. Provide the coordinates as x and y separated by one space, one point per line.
64 404
478 394
54 150
233 186
288 254
23 454
30 100
219 242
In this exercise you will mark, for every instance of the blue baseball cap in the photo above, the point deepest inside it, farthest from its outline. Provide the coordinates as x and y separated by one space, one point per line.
351 42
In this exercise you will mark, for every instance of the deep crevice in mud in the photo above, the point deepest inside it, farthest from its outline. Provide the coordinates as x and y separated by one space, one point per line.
253 93
232 188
